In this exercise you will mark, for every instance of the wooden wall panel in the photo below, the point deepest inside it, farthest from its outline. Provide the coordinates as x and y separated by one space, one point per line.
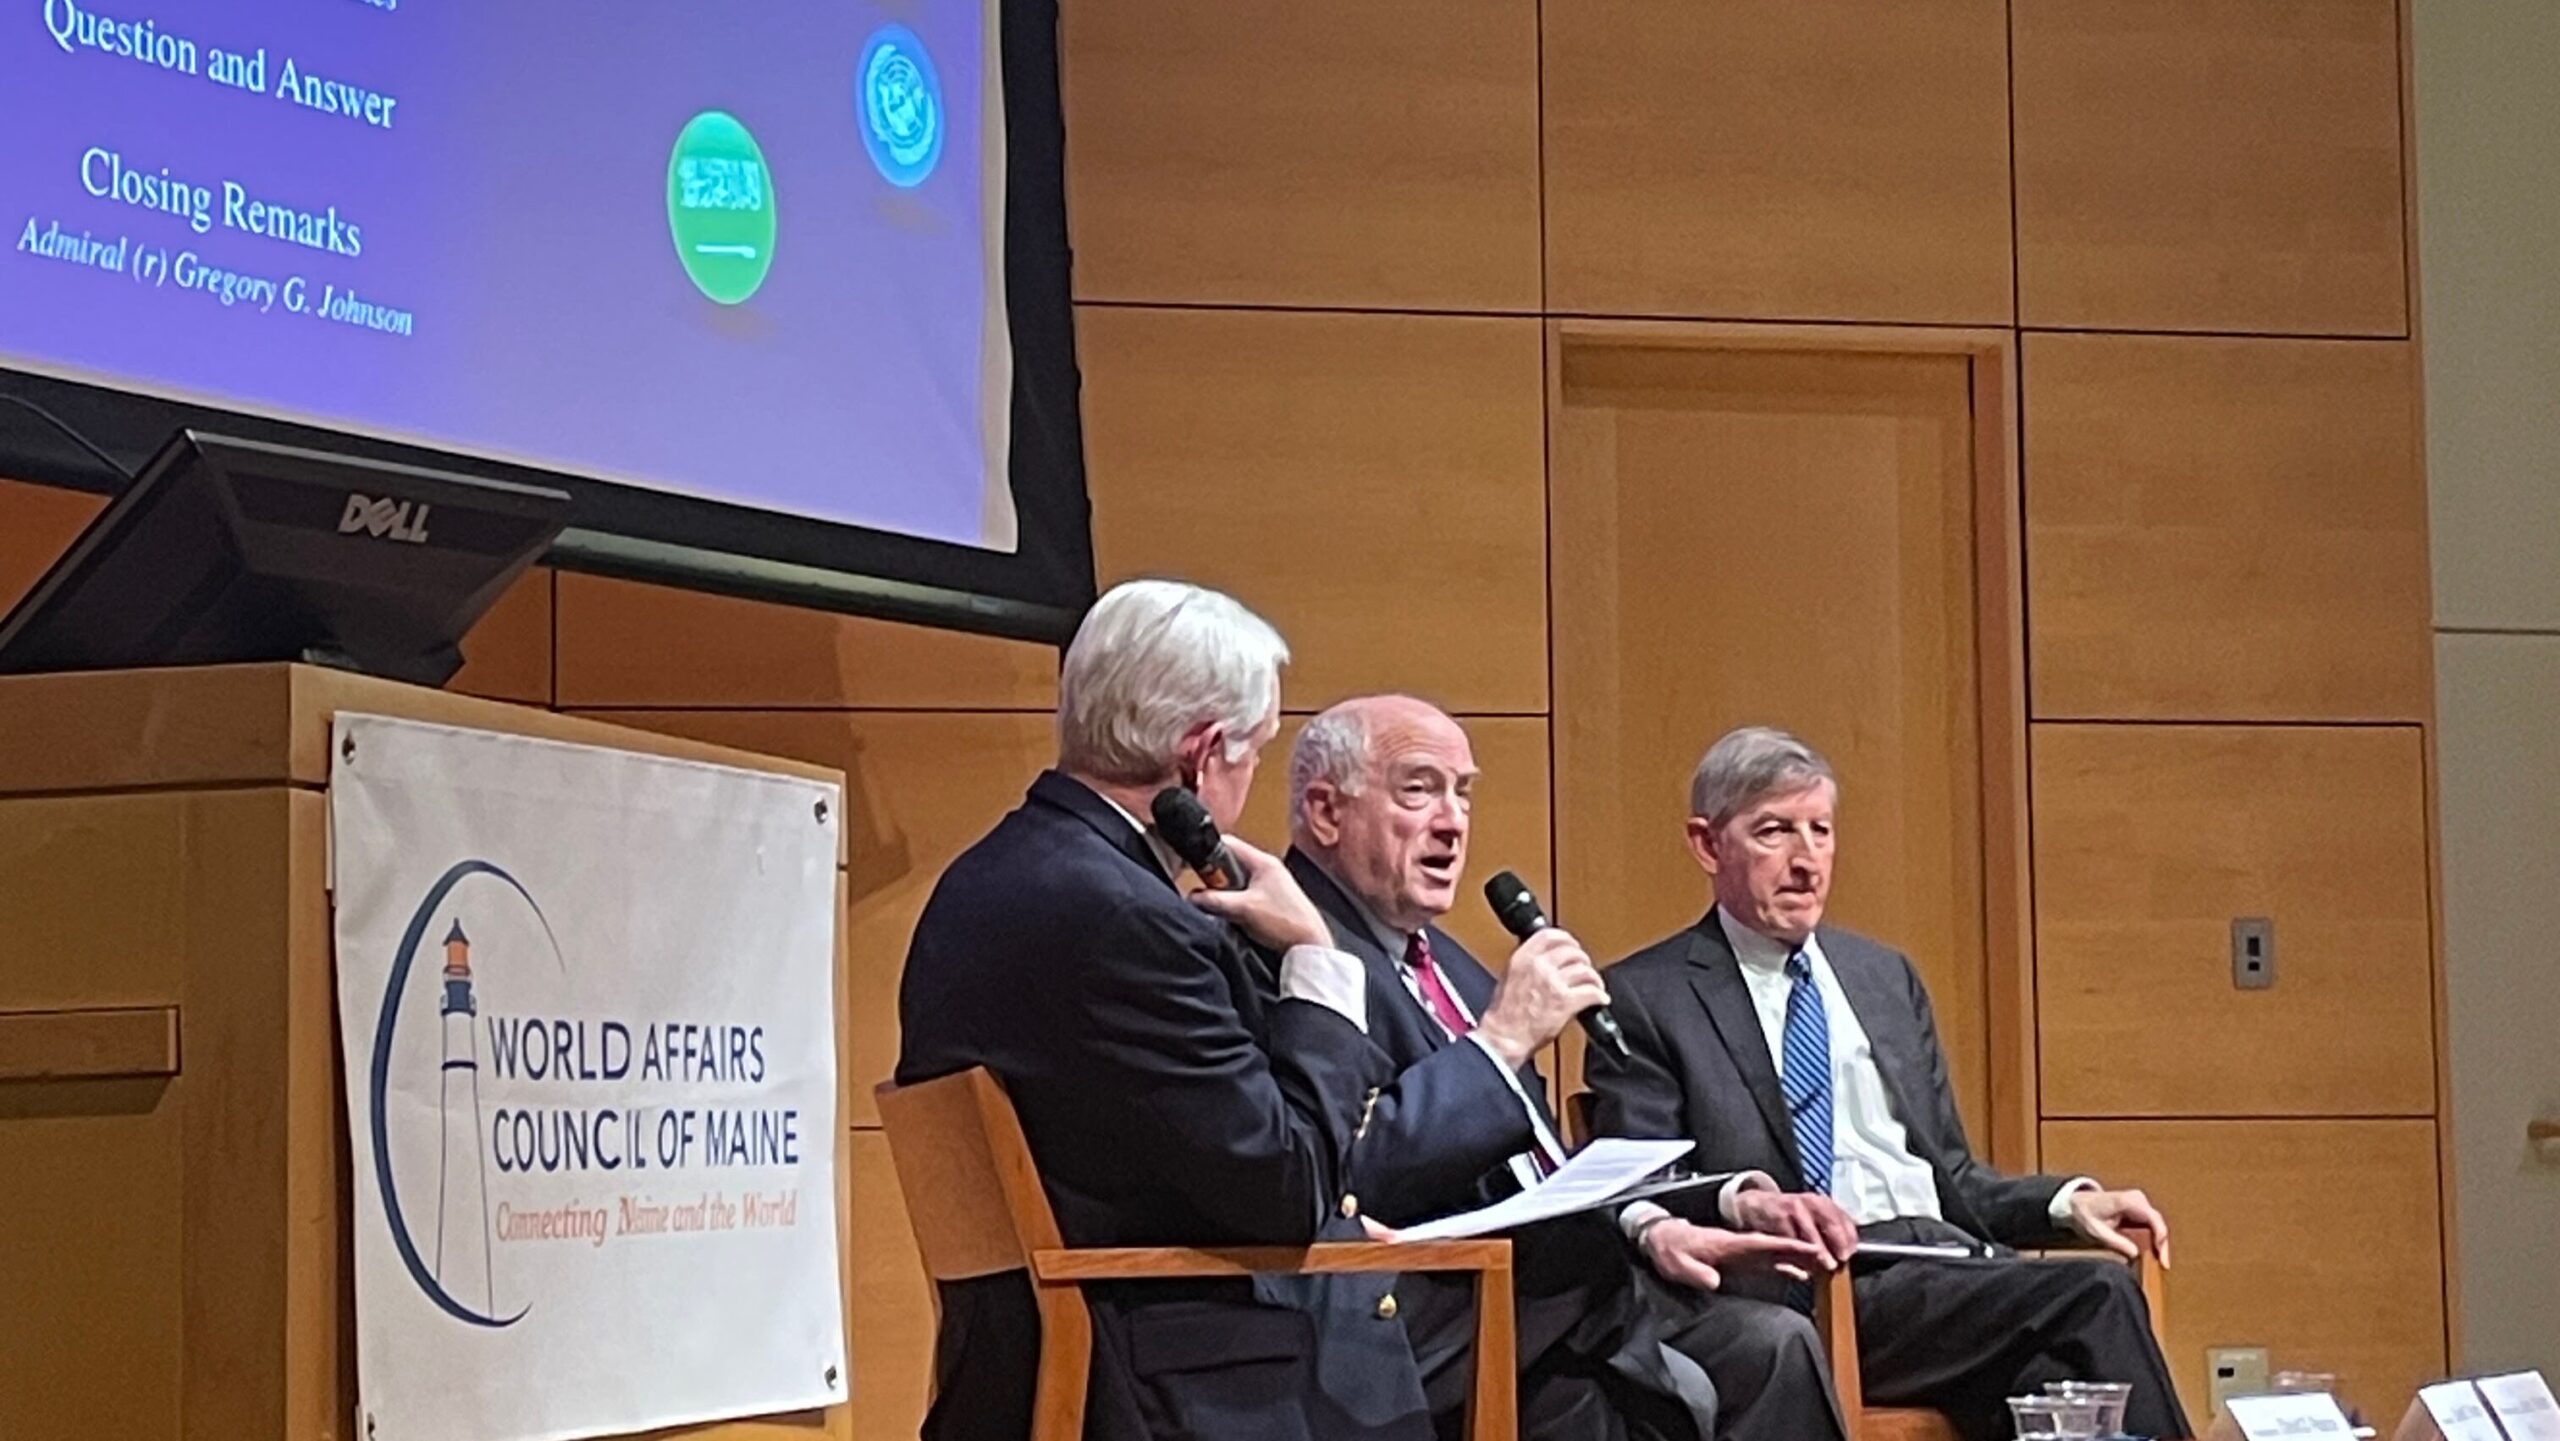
1372 484
507 656
1510 829
2225 529
2317 1239
1376 154
2215 165
1778 159
36 522
2150 839
1772 538
643 646
893 1312
919 788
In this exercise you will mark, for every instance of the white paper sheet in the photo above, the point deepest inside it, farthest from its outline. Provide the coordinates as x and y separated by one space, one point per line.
1601 1173
2456 1410
2524 1405
2289 1414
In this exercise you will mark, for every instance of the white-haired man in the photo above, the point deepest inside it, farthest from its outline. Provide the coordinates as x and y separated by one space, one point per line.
1175 1087
1784 1045
1381 812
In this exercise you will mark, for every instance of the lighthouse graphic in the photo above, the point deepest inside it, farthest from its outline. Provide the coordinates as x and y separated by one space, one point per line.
461 1261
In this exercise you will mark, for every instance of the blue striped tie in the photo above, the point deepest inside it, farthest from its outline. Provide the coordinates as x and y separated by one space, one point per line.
1806 1078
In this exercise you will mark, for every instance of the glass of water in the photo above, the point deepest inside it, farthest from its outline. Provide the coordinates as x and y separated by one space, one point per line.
2108 1396
2054 1418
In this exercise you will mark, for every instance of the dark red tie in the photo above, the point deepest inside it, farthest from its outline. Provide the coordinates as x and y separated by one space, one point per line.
1435 987
1443 1003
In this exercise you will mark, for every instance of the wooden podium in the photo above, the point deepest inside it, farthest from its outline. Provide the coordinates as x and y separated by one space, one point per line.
175 1254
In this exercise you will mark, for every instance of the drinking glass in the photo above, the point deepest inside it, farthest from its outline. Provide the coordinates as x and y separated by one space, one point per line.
2108 1396
2054 1418
2305 1383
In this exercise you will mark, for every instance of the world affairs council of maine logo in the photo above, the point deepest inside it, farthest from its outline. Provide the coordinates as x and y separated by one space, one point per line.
502 1111
441 1223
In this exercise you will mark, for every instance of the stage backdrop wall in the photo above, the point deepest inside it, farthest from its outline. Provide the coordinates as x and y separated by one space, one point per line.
2018 399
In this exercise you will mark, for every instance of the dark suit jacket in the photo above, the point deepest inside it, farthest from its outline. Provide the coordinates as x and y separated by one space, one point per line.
1439 1138
1701 1069
1169 1099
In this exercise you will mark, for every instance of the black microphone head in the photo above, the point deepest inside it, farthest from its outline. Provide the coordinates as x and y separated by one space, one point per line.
1515 905
1186 825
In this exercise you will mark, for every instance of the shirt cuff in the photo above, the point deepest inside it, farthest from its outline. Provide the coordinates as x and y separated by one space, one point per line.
1747 1181
1335 980
2058 1210
1636 1214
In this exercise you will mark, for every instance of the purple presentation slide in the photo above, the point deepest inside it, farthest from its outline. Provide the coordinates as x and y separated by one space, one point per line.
745 252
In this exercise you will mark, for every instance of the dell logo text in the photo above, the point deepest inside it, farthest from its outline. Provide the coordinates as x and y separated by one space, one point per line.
387 518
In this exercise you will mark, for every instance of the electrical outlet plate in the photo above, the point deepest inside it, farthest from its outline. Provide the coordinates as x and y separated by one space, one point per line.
2235 1371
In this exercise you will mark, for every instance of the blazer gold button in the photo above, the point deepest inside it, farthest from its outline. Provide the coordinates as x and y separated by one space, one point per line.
1350 1207
1387 1307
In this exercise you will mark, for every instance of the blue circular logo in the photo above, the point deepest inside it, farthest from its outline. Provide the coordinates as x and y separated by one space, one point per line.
901 98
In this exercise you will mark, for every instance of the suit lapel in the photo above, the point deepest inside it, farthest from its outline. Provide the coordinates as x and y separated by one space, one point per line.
1475 984
1390 1003
1716 975
1468 976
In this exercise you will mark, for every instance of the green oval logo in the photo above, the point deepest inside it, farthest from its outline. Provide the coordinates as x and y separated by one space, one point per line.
720 207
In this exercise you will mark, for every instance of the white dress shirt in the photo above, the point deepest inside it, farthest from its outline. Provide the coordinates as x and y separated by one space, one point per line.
1333 979
1875 1175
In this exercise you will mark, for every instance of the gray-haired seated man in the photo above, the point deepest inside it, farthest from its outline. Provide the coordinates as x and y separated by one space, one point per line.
1380 816
1784 1045
1175 1084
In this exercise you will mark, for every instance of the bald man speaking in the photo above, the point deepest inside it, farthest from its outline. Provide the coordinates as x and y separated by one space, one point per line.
1381 797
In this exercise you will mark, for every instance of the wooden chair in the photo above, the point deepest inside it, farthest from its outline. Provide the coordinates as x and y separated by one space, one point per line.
1837 1319
976 1203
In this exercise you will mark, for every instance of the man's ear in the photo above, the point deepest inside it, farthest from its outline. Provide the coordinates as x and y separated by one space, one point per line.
1702 843
1204 741
1322 807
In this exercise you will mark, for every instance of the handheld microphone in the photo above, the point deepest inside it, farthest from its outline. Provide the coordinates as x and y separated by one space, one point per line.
1516 906
1187 826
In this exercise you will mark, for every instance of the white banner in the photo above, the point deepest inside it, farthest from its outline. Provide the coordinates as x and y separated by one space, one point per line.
587 1001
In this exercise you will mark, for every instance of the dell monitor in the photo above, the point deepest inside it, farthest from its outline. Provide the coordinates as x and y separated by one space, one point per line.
227 550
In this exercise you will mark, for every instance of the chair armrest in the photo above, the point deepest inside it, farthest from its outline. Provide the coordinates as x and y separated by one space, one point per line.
2078 1249
1493 1403
1835 1317
1142 1263
2140 1236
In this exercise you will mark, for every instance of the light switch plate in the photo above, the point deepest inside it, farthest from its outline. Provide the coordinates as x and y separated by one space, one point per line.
2253 952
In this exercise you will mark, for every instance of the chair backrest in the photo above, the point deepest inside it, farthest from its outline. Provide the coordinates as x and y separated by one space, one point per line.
1578 1126
972 1195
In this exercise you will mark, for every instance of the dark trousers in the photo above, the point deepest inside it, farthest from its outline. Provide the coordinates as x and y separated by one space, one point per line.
1591 1348
1963 1336
1772 1382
